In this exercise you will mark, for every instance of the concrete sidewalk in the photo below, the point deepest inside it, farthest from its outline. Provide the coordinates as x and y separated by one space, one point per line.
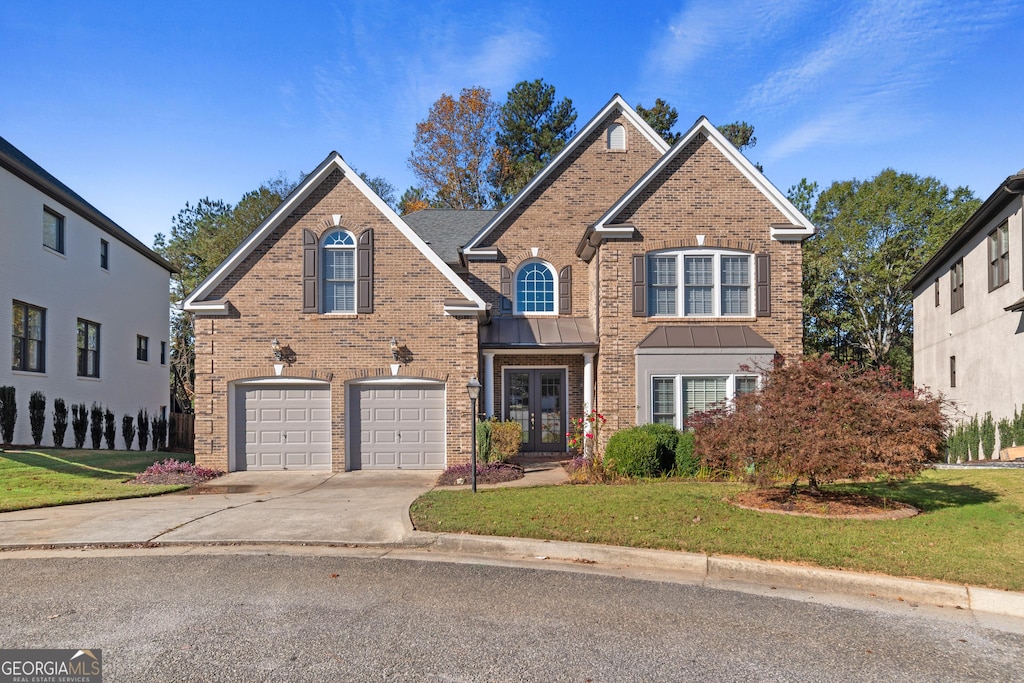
370 510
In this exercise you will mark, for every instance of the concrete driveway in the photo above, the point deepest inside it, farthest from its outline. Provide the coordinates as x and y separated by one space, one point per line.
362 507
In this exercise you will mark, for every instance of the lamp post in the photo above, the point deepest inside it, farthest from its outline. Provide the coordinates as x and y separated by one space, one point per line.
473 389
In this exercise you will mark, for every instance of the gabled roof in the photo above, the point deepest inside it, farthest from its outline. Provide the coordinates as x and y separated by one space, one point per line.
195 300
1008 190
615 103
15 161
798 228
446 230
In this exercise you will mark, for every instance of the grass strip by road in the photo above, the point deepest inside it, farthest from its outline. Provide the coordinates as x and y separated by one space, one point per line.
45 477
971 529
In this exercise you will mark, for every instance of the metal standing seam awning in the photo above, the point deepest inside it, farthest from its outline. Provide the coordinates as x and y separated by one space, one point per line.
577 334
705 337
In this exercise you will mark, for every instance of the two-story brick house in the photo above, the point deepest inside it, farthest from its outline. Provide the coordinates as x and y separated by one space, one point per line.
629 277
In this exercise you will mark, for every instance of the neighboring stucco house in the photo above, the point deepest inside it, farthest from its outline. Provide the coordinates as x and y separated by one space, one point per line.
969 310
643 281
87 303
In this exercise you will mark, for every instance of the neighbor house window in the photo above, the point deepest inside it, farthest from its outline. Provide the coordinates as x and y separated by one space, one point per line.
28 337
53 231
163 353
675 399
700 283
999 256
616 137
339 258
141 348
956 286
104 255
88 349
535 288
952 371
937 296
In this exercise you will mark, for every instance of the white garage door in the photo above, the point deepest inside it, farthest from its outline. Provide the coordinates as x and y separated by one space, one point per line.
400 426
286 427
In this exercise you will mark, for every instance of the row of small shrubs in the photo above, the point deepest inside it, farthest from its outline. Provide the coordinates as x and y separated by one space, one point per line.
973 438
498 441
651 450
96 422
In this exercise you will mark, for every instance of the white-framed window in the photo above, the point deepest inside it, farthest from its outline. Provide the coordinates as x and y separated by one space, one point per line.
53 230
339 272
676 398
616 136
702 283
141 348
535 288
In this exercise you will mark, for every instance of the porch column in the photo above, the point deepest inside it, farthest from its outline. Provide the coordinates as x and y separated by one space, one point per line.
588 388
489 384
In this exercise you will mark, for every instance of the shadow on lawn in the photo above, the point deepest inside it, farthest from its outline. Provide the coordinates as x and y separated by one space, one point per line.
929 496
66 466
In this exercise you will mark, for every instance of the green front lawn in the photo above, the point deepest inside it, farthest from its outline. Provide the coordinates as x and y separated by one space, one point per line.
54 476
971 529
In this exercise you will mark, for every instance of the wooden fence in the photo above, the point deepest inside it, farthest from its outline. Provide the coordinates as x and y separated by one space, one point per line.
181 432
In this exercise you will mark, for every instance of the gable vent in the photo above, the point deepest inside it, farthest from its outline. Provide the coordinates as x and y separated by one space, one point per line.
616 136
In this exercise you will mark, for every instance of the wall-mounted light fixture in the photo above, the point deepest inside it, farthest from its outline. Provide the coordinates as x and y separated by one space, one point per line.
275 346
394 348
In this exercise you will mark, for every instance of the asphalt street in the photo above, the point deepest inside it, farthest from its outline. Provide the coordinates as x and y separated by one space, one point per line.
249 615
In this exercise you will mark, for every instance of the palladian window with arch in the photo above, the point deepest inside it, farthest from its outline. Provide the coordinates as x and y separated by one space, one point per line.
339 272
535 288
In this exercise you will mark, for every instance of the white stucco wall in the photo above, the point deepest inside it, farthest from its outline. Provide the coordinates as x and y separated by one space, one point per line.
987 341
127 300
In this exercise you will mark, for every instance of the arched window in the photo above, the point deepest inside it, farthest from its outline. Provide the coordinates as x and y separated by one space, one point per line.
535 288
339 272
616 137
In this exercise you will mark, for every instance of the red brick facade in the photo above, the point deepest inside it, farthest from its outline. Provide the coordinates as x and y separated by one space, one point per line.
702 197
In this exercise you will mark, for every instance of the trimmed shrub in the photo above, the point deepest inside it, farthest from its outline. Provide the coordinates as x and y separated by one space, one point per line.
96 425
988 436
8 414
633 452
687 463
483 440
128 431
973 435
506 439
667 437
1005 429
1018 427
821 421
143 423
37 415
60 422
79 423
109 429
159 433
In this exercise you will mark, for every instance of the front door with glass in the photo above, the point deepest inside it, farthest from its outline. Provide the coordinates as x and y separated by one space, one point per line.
535 398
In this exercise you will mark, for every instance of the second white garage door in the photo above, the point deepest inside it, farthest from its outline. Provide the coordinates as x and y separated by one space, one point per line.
400 426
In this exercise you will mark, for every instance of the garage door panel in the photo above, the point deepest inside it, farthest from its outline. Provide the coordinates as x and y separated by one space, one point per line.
285 427
401 426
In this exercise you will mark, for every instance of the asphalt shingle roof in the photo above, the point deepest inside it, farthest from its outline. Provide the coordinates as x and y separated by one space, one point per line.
446 230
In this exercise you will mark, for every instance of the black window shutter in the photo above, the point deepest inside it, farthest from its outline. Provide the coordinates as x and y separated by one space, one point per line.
565 290
506 290
764 285
364 272
639 285
310 259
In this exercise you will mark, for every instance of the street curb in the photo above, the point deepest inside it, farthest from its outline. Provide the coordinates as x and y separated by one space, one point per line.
711 570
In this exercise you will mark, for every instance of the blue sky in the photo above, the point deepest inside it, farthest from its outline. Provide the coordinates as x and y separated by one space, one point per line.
143 108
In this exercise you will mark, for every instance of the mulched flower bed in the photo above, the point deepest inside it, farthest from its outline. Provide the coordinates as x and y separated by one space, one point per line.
491 473
823 504
172 472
